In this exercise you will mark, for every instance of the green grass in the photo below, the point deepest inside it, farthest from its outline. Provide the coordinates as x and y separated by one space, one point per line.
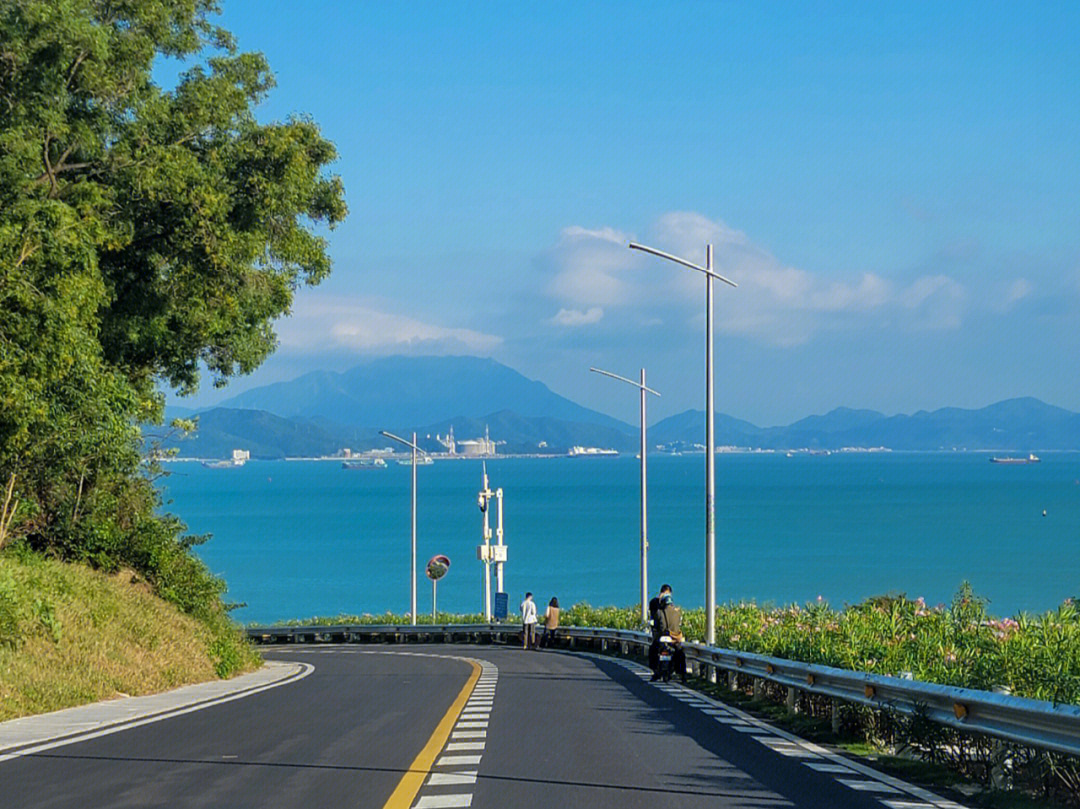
70 635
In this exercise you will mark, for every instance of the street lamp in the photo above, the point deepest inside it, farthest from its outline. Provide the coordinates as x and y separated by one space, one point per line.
412 569
710 430
644 511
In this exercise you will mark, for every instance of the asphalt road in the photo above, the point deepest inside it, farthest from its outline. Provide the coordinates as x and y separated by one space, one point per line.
540 729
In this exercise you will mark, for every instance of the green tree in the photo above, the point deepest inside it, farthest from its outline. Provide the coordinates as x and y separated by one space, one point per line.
145 233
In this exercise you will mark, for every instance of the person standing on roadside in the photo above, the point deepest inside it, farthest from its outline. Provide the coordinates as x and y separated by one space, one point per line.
528 622
551 622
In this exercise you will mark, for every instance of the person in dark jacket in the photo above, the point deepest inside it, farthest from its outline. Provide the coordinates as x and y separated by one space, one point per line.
668 621
654 647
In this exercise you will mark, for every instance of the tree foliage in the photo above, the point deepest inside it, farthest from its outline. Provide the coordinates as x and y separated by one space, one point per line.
145 233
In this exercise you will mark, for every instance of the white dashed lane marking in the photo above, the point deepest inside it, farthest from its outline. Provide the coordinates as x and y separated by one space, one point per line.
453 776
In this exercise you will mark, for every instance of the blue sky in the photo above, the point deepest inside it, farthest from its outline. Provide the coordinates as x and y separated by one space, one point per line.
895 188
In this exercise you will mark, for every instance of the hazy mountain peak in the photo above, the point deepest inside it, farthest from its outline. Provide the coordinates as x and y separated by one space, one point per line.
406 391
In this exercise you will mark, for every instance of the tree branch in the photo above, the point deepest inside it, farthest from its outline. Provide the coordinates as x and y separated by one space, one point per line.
5 517
75 67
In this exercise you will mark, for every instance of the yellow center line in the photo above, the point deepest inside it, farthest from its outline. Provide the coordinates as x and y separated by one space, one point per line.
402 797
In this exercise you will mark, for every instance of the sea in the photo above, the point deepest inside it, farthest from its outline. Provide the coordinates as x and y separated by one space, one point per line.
296 539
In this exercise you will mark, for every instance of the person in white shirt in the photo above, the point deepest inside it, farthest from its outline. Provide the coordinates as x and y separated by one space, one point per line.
528 622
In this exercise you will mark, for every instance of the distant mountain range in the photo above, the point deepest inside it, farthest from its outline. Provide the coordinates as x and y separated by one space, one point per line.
396 392
322 412
1016 424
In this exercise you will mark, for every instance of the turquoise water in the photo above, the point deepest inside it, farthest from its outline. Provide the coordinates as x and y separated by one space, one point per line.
296 539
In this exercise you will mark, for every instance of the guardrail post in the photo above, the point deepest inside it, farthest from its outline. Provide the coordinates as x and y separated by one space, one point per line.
792 699
623 648
999 753
603 644
759 688
836 717
733 681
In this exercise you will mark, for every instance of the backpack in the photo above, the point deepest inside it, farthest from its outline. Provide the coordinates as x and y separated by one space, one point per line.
670 619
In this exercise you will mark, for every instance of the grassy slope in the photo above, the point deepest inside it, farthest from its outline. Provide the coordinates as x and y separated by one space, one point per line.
71 635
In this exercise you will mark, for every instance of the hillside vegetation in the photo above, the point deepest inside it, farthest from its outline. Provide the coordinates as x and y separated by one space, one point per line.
148 235
71 635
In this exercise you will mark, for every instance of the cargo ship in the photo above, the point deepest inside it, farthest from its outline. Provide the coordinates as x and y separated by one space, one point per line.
364 463
1031 458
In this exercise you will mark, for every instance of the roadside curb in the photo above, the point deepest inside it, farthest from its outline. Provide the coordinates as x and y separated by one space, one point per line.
30 734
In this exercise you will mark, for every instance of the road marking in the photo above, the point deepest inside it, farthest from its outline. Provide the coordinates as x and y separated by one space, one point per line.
825 766
458 754
410 783
867 786
483 724
786 748
458 761
444 801
452 779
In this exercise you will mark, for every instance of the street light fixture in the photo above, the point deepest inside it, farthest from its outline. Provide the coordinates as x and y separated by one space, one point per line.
710 430
644 511
412 569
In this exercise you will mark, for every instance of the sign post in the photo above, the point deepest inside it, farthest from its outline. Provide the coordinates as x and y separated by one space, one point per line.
436 569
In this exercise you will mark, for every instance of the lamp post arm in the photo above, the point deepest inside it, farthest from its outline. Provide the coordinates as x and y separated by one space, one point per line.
683 261
410 444
633 382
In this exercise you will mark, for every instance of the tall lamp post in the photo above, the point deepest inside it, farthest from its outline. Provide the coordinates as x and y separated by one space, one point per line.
412 568
644 509
710 430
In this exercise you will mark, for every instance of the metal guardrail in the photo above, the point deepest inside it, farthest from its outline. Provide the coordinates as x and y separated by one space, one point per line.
1029 722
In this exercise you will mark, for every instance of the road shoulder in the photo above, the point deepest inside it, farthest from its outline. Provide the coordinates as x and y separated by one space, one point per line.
34 733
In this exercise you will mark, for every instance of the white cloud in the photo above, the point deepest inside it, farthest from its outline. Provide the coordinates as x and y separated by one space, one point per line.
1018 290
589 267
775 303
573 317
320 323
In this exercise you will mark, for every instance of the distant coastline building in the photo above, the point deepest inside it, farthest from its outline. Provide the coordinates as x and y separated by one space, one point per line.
478 448
448 441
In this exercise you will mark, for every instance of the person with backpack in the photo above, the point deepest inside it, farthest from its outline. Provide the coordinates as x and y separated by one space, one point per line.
667 621
654 621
